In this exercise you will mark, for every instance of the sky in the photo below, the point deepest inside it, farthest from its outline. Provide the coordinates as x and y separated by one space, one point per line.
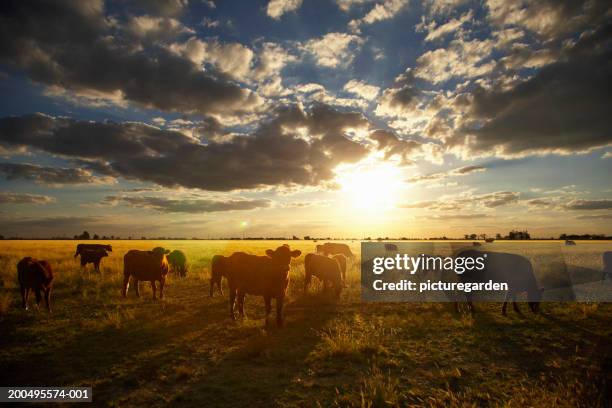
340 118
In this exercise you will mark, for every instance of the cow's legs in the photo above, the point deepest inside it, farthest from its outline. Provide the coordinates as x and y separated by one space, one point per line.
24 304
126 283
48 299
38 297
162 283
97 266
232 300
154 289
514 304
136 287
279 310
268 303
241 303
307 280
27 297
505 305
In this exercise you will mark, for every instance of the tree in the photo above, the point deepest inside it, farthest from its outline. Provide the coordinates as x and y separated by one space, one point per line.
96 236
84 235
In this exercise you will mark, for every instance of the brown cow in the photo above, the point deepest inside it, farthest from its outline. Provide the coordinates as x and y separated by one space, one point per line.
342 262
328 270
93 256
37 276
145 265
81 247
332 248
266 276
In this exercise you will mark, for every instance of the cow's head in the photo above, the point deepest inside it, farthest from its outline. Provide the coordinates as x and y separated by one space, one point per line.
160 250
534 300
283 254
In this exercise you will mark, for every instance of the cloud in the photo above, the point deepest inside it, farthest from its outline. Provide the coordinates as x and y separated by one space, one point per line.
294 148
583 204
362 89
595 217
445 217
51 175
442 7
24 198
333 49
435 31
562 108
276 8
168 205
381 11
74 46
150 28
346 5
468 200
461 171
391 145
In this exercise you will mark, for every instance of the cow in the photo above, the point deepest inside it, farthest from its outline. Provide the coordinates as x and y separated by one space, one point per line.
607 264
266 276
328 270
149 266
341 259
476 244
81 247
515 270
217 272
35 275
178 262
390 248
569 242
93 256
332 248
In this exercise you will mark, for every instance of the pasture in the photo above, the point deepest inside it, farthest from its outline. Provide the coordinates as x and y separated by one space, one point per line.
186 351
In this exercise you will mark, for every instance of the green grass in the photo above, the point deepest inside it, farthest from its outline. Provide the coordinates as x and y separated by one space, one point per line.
184 350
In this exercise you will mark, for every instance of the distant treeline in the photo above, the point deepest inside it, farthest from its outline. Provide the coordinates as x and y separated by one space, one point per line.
513 235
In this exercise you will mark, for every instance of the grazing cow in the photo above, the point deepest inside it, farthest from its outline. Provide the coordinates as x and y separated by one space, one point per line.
607 264
145 265
390 247
81 247
331 248
515 270
489 240
217 271
326 269
476 244
93 256
178 262
266 276
37 276
341 259
569 242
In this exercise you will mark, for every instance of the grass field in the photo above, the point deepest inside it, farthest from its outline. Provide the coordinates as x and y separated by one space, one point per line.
184 350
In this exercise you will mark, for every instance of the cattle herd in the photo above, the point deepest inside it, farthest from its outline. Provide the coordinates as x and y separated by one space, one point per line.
246 274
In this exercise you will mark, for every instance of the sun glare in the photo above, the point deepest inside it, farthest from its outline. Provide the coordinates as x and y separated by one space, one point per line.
372 187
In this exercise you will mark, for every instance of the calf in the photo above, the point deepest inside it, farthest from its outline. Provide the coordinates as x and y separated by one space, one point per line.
515 270
178 262
266 276
35 275
332 248
93 256
81 247
149 266
328 270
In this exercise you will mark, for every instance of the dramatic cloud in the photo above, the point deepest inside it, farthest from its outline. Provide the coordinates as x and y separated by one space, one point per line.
333 49
296 147
51 175
362 89
168 205
381 11
563 108
23 198
391 145
435 31
276 8
72 46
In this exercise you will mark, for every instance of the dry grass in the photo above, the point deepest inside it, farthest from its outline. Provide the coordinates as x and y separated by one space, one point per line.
185 351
